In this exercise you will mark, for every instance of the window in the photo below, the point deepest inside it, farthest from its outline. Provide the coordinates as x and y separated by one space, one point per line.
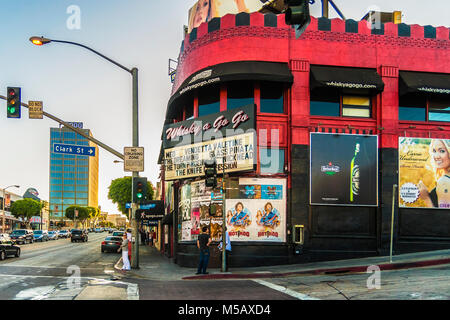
239 94
356 106
69 162
271 160
68 201
69 135
55 175
419 108
56 162
55 181
208 101
439 110
329 104
82 182
69 188
83 195
69 194
56 188
69 175
412 109
325 106
272 97
55 194
82 202
82 188
69 181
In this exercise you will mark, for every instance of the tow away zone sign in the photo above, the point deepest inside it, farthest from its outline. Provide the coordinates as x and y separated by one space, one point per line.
133 159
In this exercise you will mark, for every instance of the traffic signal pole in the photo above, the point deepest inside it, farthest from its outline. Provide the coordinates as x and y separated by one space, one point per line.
135 174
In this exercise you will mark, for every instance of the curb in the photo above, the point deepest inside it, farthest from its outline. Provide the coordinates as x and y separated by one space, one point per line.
329 271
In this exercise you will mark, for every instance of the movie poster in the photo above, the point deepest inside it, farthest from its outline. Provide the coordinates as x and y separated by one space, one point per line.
258 213
424 173
344 169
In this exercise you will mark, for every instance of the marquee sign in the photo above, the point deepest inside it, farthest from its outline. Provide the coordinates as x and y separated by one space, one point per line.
213 126
188 160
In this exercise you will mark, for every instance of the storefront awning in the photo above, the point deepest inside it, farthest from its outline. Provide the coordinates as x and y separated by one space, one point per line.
424 83
232 71
347 80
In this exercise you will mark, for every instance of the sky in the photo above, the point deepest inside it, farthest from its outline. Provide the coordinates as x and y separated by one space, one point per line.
75 85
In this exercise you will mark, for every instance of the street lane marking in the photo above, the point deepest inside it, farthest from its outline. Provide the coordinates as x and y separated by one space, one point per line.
284 290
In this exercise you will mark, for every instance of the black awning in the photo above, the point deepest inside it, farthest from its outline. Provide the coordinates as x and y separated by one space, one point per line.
168 219
344 79
233 71
424 83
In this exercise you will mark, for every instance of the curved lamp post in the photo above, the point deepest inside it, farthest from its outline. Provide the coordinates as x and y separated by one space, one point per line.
39 41
3 206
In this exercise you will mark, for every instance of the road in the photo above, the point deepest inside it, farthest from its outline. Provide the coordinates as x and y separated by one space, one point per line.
61 270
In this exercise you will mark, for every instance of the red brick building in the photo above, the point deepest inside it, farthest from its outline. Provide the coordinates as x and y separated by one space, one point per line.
341 78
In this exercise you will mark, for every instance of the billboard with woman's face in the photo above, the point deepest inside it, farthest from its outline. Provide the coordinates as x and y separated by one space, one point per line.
206 10
424 173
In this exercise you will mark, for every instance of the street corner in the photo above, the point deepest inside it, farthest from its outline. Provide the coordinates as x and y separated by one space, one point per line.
99 289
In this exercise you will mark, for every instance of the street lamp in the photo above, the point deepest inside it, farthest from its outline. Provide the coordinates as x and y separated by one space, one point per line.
39 41
3 206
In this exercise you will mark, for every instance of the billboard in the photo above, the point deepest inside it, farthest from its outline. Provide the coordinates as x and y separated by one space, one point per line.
424 173
344 169
206 10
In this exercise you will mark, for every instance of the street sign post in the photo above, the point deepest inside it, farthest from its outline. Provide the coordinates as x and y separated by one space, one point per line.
35 110
133 159
73 149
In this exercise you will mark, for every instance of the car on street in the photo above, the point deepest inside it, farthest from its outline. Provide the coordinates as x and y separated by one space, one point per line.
79 235
22 236
118 233
8 248
53 235
40 235
64 234
97 230
111 230
111 244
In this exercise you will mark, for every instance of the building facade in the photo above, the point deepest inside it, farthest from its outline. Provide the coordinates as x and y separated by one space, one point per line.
345 126
73 178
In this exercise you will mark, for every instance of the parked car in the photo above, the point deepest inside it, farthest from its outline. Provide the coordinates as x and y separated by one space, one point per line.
111 230
112 244
22 236
53 235
40 235
64 234
118 233
97 230
8 248
79 235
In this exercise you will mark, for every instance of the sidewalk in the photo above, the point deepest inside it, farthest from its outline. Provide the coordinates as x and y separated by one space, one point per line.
154 266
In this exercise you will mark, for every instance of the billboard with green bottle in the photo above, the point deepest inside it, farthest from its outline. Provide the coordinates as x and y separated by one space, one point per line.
343 169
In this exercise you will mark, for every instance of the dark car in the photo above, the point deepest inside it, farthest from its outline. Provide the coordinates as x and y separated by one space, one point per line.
7 248
111 244
22 236
40 235
79 235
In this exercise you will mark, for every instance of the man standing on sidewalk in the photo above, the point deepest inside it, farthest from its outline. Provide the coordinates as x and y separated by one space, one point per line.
203 242
227 248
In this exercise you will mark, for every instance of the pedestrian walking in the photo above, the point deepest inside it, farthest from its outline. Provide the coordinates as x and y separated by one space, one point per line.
227 248
150 239
143 237
125 260
203 242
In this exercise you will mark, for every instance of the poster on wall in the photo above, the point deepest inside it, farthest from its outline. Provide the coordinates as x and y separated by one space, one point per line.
424 173
258 211
344 169
206 10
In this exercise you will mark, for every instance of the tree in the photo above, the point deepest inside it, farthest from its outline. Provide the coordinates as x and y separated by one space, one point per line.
120 193
26 209
83 213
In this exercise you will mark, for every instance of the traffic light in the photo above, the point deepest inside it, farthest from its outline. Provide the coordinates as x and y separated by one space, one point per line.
13 102
210 173
140 190
297 14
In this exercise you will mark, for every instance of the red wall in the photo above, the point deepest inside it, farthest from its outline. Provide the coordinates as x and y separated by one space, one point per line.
387 53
